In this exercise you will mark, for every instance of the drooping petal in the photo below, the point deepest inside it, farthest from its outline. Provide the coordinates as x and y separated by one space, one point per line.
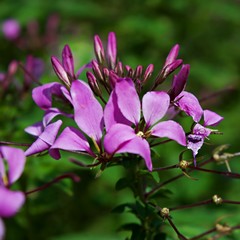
179 81
42 95
72 139
194 143
36 129
211 118
88 112
2 229
67 60
112 113
16 161
190 105
117 135
154 106
10 202
170 129
45 140
128 100
139 146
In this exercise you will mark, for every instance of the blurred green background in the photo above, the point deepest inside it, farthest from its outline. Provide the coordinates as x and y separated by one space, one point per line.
209 36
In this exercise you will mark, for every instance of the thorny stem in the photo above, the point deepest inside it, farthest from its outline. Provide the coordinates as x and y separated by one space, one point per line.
165 168
162 142
72 176
180 236
205 202
174 178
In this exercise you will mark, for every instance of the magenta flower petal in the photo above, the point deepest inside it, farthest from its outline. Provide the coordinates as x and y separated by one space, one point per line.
11 29
36 129
128 100
170 129
88 112
154 106
16 161
10 202
140 146
112 113
179 81
43 95
194 143
67 60
190 105
117 135
211 118
72 139
2 229
45 139
200 130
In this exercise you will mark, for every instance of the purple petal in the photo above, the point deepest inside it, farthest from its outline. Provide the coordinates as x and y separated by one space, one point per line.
16 161
170 129
88 112
128 100
2 229
112 49
154 106
67 60
179 81
117 135
172 55
190 105
200 130
45 140
72 140
194 143
10 202
112 113
36 129
139 146
60 71
51 113
79 71
11 29
43 95
211 118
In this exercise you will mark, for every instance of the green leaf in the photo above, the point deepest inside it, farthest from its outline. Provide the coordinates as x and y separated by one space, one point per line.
121 184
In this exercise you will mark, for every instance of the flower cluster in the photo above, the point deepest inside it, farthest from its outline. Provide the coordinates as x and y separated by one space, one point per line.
121 123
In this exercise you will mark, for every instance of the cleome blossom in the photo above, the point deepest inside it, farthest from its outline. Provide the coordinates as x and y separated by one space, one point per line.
117 118
10 201
123 111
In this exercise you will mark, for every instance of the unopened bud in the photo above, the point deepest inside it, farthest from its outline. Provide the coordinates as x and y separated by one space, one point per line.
67 60
138 71
60 71
112 49
172 55
165 212
119 69
216 199
113 78
183 164
93 84
148 72
12 67
99 50
97 70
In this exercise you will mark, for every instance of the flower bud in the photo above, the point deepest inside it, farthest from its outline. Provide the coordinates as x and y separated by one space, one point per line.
92 81
99 50
148 72
67 60
60 71
172 55
97 70
112 49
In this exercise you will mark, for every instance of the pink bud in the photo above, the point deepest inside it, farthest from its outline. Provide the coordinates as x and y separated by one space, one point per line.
11 29
148 72
99 50
67 60
112 49
172 55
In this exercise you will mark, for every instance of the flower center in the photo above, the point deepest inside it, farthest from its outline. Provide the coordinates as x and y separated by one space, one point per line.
140 134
